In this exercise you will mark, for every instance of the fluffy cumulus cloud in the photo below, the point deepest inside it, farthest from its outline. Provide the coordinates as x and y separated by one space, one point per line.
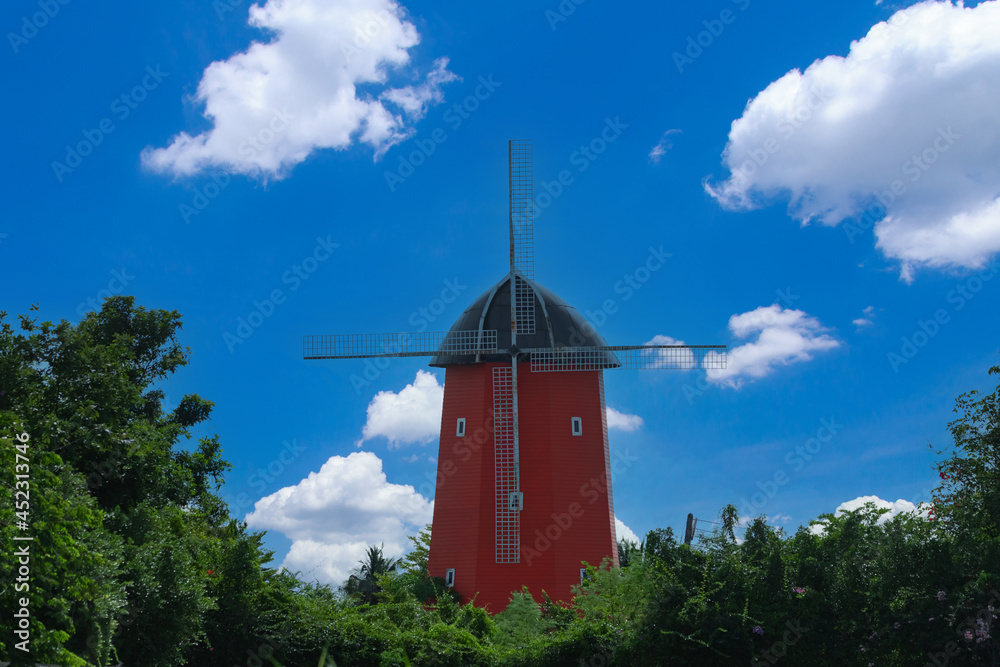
623 532
901 134
622 421
411 416
899 507
333 515
322 81
781 337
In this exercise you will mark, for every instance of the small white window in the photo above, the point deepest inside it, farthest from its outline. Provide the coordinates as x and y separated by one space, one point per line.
449 578
583 575
577 426
460 427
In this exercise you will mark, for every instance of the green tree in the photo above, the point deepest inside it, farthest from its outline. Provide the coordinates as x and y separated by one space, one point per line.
629 552
412 579
521 621
364 583
74 592
415 561
968 497
125 510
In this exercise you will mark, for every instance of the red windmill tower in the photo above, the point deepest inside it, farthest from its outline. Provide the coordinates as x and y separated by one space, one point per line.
523 482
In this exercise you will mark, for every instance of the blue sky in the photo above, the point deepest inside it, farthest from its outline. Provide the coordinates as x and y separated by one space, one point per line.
340 167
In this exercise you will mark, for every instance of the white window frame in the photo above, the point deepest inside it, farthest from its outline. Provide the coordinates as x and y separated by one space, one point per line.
449 577
583 575
576 425
460 427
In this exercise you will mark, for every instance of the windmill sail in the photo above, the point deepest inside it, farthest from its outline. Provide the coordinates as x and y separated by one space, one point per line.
425 344
522 235
634 357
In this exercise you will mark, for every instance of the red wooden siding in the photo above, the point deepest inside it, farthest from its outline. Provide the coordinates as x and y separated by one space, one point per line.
568 513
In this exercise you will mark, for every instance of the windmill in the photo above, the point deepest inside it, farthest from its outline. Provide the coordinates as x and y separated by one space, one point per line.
524 444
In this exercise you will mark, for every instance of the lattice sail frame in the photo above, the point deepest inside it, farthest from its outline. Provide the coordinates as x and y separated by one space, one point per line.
424 344
522 236
542 359
633 357
524 306
522 225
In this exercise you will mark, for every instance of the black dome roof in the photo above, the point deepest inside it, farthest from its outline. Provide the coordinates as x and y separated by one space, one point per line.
557 324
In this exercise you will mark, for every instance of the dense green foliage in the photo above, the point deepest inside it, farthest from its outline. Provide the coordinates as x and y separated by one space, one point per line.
136 559
364 583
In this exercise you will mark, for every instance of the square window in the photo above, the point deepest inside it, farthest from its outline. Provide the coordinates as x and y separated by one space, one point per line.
577 426
460 427
449 578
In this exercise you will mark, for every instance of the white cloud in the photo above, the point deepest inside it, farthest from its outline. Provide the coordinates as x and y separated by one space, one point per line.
899 507
867 320
664 145
682 359
276 103
623 421
784 336
623 532
333 515
914 103
411 416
